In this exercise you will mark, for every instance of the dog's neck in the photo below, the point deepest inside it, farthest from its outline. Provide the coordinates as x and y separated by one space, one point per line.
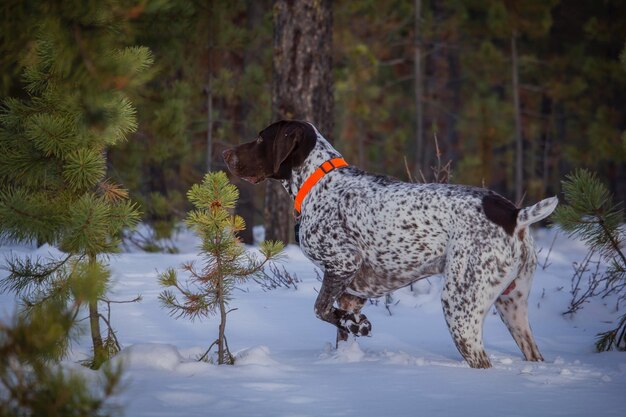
322 152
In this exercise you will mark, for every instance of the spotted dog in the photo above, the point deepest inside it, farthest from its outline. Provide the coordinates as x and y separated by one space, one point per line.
371 234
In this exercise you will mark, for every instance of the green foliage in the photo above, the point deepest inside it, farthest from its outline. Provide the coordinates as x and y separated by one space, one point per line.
153 165
39 217
570 92
613 339
55 139
572 114
213 52
208 289
591 216
30 385
68 281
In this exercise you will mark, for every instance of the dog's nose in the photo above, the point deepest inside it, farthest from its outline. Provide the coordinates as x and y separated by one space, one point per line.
229 156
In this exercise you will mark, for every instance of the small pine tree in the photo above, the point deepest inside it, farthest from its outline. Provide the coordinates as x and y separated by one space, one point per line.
53 160
30 385
226 263
592 216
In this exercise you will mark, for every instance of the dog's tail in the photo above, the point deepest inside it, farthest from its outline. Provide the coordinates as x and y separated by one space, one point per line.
534 213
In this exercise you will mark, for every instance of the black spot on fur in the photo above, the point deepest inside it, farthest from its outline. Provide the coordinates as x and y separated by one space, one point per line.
383 180
500 211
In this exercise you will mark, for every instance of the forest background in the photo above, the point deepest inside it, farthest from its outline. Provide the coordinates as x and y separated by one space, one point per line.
517 93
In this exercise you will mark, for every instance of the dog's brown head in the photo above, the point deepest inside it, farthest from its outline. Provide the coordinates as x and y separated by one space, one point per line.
274 153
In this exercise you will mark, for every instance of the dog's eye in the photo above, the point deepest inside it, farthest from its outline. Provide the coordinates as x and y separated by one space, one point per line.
259 139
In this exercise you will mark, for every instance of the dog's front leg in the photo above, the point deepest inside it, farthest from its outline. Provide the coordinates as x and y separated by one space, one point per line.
332 288
351 304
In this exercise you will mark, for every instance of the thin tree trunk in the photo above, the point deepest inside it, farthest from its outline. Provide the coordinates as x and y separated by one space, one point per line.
209 117
519 146
419 90
99 354
455 100
277 213
546 139
221 352
361 143
246 208
302 86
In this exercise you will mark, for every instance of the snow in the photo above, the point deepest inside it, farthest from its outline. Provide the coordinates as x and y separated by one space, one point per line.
286 363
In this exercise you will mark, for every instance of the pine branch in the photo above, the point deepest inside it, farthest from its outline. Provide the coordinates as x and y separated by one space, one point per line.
591 215
112 192
613 339
195 305
25 273
83 168
204 355
614 241
33 386
27 216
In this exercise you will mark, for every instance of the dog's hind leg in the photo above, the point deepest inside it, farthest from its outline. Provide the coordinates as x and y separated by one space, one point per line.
465 321
466 298
512 305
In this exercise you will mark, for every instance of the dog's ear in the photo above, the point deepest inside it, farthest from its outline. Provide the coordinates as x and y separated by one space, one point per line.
292 144
284 144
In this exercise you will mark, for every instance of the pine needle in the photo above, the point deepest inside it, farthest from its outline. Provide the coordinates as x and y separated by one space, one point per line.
111 191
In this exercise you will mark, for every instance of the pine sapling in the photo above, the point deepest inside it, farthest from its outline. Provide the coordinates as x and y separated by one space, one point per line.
592 216
207 288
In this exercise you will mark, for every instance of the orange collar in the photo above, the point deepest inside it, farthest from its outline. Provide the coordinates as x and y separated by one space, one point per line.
313 179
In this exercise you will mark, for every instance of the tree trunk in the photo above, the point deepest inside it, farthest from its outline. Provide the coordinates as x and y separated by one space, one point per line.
419 91
221 342
99 354
209 120
546 141
277 213
519 146
302 86
436 89
360 131
246 207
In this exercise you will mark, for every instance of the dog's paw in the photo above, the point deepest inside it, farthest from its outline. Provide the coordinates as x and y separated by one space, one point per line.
357 325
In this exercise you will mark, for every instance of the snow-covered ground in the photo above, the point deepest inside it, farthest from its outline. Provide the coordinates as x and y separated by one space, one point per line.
287 364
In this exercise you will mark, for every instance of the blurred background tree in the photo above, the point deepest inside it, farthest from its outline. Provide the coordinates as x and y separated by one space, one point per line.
518 93
54 140
210 89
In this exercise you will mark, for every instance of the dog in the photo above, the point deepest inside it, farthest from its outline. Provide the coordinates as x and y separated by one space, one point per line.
372 234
